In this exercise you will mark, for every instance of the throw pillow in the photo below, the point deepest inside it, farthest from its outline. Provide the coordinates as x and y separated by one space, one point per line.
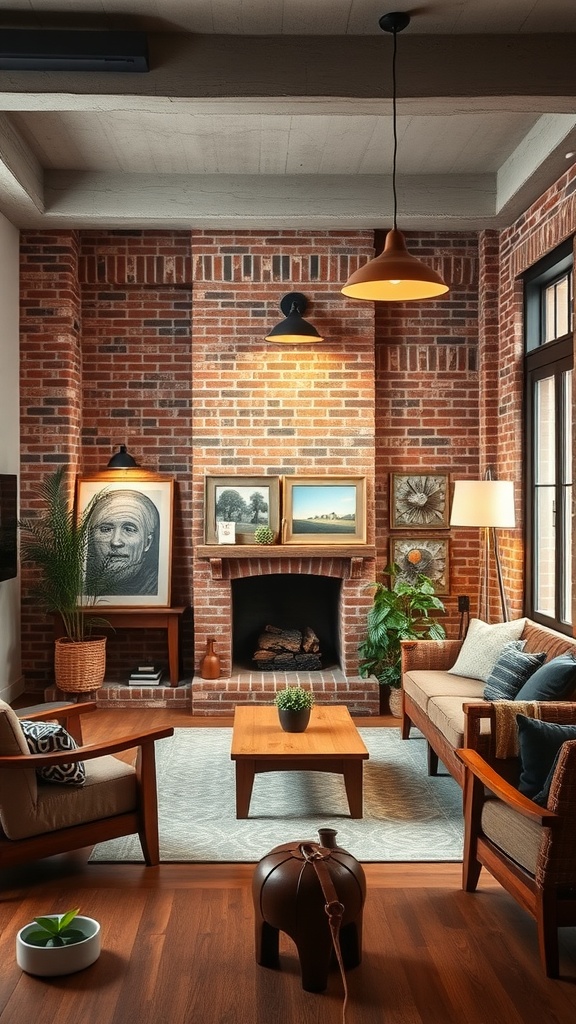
552 681
539 744
45 737
483 645
510 672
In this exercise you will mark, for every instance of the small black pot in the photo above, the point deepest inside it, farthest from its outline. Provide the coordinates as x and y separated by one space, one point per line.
294 721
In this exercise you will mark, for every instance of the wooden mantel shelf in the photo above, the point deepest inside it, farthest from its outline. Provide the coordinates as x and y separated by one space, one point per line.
235 551
216 554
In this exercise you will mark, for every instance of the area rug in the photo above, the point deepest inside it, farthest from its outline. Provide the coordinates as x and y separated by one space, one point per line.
408 816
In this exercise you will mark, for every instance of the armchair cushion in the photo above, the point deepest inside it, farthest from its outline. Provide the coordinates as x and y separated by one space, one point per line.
552 681
539 743
511 671
44 737
483 645
19 789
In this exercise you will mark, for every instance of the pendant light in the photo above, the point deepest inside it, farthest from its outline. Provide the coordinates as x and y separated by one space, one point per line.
394 275
294 330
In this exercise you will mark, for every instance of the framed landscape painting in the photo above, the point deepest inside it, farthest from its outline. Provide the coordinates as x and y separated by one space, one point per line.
427 555
419 501
324 510
246 501
132 529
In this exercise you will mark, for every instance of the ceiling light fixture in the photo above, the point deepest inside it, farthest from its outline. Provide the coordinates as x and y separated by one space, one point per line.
294 330
394 275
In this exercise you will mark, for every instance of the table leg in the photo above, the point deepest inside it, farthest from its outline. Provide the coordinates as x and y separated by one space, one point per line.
244 783
353 781
173 650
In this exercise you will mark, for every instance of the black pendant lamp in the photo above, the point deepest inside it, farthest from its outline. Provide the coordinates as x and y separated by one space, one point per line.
294 330
394 275
122 460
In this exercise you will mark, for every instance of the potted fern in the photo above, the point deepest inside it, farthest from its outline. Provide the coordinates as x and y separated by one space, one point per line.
56 541
400 611
294 705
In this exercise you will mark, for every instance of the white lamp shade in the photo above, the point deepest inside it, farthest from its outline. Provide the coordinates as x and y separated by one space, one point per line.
487 503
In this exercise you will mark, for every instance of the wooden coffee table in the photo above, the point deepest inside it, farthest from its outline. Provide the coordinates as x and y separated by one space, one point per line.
331 743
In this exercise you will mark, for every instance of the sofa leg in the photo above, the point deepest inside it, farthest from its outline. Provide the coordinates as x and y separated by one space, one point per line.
405 727
432 760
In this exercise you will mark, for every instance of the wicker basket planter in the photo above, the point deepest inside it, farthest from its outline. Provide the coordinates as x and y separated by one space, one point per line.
79 667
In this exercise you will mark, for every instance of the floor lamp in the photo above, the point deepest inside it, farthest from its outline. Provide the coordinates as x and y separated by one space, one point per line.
488 504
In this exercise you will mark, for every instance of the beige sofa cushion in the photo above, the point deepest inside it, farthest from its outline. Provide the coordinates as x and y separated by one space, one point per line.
511 832
18 789
447 715
424 684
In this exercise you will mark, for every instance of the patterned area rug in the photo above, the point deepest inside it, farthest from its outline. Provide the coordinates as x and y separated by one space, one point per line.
407 815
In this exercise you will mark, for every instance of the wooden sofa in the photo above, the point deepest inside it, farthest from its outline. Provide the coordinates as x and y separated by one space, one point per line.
450 709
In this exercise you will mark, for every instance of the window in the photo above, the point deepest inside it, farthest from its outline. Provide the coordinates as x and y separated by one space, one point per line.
549 371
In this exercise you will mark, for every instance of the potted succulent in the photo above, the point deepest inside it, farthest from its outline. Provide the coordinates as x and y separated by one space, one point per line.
56 542
400 611
294 705
58 944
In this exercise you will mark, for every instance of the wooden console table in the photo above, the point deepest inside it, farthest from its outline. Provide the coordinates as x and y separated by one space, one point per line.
145 618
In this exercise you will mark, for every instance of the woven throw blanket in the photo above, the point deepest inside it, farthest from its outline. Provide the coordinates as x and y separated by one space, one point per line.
505 712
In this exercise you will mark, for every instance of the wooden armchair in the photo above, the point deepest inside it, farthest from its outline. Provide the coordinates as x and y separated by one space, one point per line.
39 819
529 849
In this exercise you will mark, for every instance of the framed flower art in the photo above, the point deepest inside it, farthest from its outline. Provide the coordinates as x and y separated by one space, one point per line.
427 555
419 501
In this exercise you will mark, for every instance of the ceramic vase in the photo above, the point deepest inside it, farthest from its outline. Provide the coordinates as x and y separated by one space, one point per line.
210 664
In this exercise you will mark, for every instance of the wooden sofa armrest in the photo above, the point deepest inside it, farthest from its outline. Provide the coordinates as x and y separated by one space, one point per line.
425 654
86 753
66 712
488 777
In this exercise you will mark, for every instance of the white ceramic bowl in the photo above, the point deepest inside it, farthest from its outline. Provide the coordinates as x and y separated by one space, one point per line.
50 961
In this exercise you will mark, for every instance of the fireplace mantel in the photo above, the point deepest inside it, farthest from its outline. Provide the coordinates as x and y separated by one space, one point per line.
355 554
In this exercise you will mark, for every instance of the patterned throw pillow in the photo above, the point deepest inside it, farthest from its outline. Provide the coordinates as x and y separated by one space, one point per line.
483 645
510 672
46 737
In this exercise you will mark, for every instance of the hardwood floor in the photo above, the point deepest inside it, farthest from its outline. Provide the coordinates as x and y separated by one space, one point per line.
178 944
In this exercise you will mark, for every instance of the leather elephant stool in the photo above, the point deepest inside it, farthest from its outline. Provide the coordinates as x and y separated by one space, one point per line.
314 893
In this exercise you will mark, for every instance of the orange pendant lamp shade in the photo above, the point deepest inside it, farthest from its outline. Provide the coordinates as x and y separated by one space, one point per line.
394 275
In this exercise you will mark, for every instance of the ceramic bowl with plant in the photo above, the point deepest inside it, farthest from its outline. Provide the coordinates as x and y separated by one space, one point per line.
58 944
294 705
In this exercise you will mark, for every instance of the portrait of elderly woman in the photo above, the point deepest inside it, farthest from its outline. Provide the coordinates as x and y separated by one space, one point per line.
124 532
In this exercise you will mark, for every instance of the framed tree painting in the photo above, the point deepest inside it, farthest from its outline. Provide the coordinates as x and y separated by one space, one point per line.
132 529
427 555
419 501
243 503
324 510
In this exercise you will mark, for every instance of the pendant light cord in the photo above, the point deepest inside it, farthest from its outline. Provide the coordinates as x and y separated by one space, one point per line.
395 131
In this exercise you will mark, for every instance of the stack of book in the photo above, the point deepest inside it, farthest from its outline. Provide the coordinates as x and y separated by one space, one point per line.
145 675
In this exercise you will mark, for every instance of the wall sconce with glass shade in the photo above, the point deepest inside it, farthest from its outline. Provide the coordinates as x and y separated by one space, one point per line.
489 505
394 275
294 330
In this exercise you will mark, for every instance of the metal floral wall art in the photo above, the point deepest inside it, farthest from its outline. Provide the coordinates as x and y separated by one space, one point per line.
429 556
419 502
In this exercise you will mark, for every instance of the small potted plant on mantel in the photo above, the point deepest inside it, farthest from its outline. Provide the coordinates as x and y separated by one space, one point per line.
58 944
294 705
399 612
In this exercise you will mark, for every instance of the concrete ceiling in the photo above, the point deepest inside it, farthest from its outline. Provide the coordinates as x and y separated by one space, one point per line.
277 114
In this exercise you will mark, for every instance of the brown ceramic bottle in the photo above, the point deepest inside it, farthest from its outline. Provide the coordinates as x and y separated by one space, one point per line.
210 664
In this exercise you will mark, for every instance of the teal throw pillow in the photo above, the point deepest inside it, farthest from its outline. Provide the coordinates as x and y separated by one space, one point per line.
510 672
539 743
553 681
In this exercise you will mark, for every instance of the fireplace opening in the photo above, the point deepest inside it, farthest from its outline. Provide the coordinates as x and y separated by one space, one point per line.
285 601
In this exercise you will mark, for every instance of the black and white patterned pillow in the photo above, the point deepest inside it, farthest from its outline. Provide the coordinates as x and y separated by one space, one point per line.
510 672
45 737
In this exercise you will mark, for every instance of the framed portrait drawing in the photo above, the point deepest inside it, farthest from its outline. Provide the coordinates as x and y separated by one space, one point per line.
244 502
419 501
427 555
324 510
131 528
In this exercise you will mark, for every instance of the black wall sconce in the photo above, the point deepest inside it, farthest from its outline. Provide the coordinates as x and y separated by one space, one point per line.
122 460
294 330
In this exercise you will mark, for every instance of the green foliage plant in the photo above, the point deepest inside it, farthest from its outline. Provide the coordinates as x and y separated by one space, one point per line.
264 535
56 542
294 698
55 931
399 611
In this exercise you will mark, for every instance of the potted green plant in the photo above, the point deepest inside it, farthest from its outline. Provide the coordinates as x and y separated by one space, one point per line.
294 705
400 611
56 542
58 944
